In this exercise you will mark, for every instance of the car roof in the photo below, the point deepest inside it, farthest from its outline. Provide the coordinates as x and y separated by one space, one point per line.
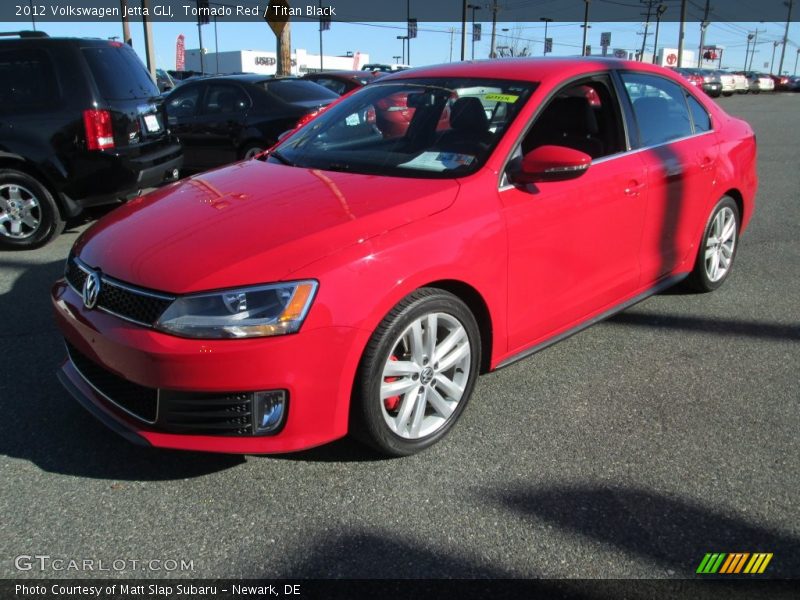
527 69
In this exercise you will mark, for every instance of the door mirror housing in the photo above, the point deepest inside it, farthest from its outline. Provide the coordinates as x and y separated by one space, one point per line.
550 163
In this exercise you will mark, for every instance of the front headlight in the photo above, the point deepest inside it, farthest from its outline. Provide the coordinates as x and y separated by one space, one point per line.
258 311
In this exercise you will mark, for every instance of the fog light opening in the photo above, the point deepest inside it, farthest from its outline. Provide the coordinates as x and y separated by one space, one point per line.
269 410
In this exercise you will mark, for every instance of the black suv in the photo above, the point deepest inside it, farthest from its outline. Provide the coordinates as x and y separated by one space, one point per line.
81 124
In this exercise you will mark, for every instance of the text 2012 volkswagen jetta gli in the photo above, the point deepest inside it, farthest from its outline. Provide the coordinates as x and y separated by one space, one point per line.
358 279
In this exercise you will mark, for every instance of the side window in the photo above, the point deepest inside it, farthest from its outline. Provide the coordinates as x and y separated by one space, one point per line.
225 99
184 102
28 81
700 118
660 108
584 116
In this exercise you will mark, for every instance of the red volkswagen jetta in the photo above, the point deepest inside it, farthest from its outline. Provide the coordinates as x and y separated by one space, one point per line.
359 280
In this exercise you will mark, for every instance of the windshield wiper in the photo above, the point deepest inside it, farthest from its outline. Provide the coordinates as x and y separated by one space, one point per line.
280 158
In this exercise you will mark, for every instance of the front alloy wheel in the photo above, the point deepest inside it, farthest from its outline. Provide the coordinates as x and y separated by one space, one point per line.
417 373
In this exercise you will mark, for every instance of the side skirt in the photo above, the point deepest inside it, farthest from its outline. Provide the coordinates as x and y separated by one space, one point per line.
660 286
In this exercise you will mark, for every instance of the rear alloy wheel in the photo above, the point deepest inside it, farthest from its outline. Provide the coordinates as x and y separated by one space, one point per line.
718 247
29 216
417 373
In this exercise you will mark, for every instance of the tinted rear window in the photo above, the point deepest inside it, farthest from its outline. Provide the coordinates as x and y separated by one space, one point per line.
290 90
27 80
119 73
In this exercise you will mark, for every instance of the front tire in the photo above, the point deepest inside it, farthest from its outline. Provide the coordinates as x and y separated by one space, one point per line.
417 373
717 249
29 216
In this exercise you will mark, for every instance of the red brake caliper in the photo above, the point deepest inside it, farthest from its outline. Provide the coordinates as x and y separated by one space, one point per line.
392 402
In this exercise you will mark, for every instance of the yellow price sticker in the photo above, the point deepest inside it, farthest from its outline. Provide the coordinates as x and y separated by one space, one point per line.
510 98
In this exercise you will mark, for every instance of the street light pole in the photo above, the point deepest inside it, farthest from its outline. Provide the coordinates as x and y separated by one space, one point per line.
546 21
680 33
662 8
585 26
463 29
474 7
772 60
403 39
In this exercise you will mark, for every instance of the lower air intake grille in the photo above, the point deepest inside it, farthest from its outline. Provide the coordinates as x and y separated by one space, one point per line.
206 413
139 401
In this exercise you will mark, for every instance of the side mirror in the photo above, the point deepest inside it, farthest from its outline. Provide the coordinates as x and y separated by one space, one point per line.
550 163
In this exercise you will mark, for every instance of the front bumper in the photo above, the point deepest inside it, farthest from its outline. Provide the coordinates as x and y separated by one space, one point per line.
315 367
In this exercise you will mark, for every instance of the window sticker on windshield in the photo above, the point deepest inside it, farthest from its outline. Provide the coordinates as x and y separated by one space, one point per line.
509 98
439 161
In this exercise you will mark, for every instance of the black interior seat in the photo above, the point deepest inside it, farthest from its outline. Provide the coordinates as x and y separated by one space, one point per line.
567 121
469 128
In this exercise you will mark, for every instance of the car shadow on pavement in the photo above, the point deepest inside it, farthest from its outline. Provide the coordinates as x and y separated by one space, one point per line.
41 422
732 327
670 531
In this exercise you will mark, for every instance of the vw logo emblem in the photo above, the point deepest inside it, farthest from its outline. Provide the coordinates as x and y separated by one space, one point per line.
91 289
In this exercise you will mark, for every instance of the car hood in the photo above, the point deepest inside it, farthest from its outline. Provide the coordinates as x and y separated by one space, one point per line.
251 222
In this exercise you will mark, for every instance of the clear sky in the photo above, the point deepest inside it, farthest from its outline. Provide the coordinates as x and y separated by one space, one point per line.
433 42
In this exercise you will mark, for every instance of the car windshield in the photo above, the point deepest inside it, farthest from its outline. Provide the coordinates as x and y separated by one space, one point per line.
410 128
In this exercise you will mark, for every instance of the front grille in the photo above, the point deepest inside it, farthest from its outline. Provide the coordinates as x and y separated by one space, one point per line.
206 413
139 401
128 302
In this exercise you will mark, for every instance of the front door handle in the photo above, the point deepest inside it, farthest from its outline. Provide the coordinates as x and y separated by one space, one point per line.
633 188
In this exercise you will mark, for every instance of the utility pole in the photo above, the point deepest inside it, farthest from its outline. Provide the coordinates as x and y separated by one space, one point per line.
126 25
408 28
680 33
662 8
452 33
646 27
149 50
785 35
403 39
795 60
703 26
284 66
585 26
494 28
463 29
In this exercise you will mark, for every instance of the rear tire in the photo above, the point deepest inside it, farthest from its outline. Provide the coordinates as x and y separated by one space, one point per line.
252 149
717 248
29 216
417 373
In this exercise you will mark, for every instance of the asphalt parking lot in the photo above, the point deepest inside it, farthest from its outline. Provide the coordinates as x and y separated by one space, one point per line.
627 451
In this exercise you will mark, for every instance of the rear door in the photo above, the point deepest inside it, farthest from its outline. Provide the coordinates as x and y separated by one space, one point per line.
125 88
680 151
183 110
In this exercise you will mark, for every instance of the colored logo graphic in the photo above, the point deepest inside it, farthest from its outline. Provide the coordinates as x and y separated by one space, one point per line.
734 563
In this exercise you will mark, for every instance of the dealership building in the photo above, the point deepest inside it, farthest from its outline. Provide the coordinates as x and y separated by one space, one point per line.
265 63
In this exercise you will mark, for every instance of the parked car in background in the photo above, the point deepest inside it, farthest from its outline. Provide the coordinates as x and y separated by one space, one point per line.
793 83
348 281
728 82
341 82
227 118
708 80
740 83
164 81
759 82
385 67
81 124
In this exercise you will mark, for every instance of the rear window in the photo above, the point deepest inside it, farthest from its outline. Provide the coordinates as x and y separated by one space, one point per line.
290 90
27 80
119 73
